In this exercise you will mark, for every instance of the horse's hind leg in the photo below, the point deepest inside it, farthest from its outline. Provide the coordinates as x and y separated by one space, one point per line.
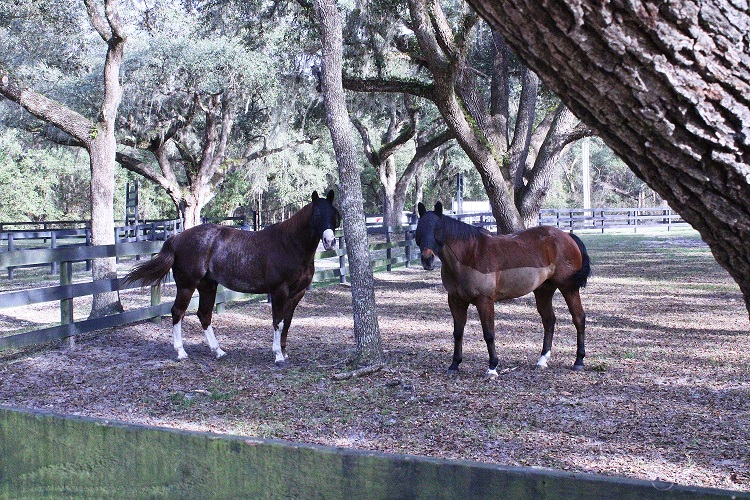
573 299
543 296
181 303
207 293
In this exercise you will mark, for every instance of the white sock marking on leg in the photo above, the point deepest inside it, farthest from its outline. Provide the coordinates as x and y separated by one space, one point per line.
542 363
213 343
277 344
177 339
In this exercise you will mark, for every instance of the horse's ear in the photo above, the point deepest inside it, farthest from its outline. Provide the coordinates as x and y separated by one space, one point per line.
330 195
439 208
315 196
421 210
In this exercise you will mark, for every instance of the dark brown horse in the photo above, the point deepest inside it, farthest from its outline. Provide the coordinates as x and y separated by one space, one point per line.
278 260
480 268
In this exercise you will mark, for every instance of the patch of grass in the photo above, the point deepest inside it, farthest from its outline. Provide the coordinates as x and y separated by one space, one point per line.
599 367
181 400
217 395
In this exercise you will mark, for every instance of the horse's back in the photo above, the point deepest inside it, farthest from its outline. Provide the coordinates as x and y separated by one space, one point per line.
509 266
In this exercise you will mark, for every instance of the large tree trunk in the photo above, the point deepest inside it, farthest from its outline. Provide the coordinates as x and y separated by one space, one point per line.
190 212
666 85
549 143
102 160
366 329
460 105
102 152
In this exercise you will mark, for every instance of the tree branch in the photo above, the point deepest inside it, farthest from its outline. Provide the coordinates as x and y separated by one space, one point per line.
67 120
369 150
412 87
97 20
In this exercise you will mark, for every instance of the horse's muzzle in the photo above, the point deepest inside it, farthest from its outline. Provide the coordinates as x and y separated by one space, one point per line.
328 239
428 259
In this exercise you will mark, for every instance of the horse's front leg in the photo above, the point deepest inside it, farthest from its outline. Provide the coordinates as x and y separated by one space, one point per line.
458 308
278 306
486 309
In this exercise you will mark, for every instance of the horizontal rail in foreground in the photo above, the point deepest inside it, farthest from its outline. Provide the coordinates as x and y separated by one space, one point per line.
43 454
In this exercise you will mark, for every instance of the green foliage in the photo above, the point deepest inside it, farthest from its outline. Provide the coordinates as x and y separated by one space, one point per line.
286 179
41 184
613 184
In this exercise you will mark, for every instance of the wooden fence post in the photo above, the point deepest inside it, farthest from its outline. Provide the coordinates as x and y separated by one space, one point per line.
66 305
88 244
388 252
53 245
407 246
156 300
220 307
11 247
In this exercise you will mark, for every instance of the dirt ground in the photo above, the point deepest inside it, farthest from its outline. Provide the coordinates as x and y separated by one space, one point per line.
665 394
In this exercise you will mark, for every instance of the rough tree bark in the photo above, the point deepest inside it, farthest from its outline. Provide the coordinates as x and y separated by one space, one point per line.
667 86
98 137
366 328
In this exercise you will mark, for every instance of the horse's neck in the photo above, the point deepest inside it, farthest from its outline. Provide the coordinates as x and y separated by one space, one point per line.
460 241
296 230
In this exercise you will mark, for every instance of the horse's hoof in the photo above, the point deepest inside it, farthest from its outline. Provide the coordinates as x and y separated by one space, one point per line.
181 355
490 374
540 367
219 353
281 364
452 371
577 368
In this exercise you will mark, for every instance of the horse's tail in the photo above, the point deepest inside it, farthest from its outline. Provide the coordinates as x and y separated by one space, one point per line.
155 270
582 275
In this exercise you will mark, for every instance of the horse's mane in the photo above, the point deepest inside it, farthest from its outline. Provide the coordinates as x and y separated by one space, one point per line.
458 230
301 218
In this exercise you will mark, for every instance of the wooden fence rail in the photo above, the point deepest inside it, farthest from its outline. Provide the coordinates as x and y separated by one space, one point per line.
332 266
570 219
49 237
610 218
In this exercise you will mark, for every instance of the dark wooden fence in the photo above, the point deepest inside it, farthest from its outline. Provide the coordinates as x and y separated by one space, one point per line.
56 234
397 249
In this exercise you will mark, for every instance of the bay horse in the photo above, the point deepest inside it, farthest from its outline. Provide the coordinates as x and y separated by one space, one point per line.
481 268
279 260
